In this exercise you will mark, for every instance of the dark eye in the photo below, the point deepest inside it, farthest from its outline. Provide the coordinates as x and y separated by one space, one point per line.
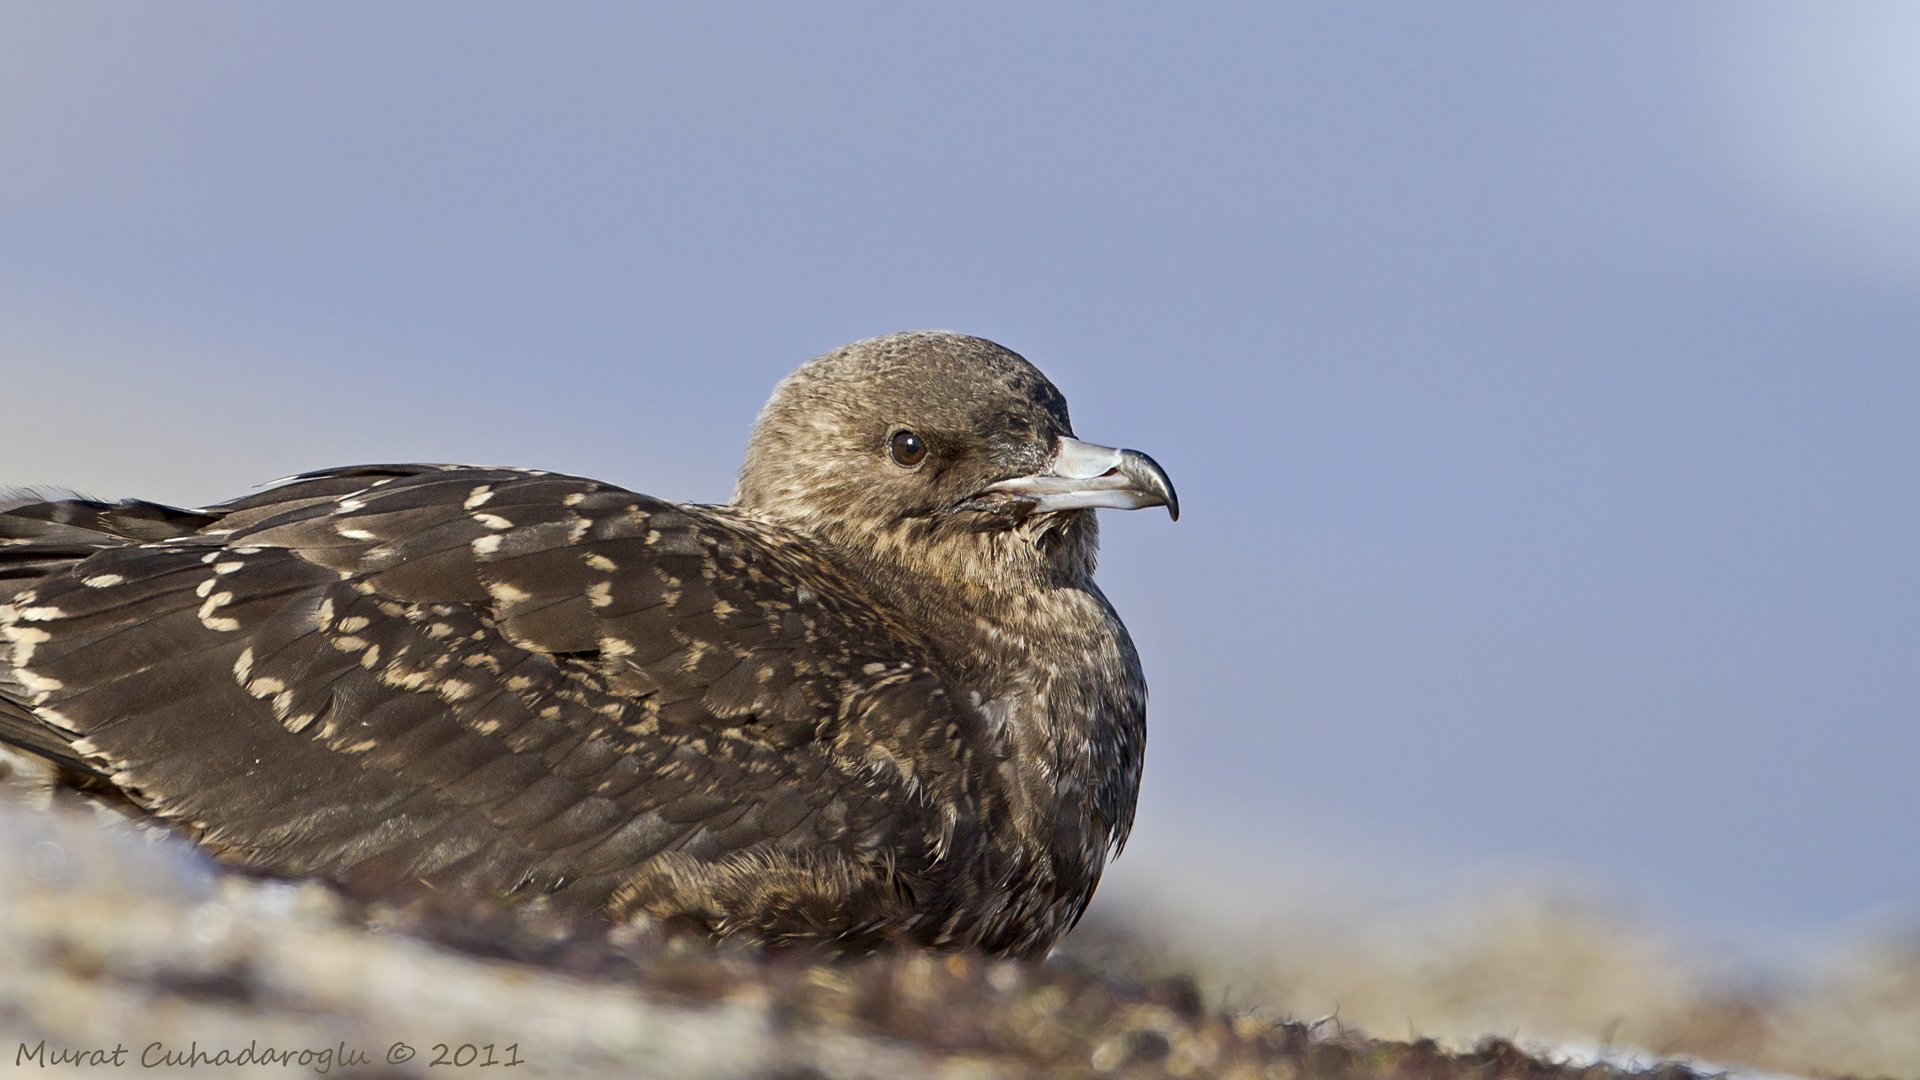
907 449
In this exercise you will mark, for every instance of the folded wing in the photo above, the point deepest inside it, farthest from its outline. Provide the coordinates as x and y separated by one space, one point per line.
497 680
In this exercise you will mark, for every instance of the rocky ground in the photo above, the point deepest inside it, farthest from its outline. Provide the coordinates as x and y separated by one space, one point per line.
123 953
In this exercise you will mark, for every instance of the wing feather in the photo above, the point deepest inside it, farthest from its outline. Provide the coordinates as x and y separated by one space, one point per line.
496 679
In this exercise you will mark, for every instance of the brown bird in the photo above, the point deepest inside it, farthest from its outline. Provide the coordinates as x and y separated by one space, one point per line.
876 698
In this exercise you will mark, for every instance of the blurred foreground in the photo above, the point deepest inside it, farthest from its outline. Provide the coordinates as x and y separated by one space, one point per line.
112 939
1544 963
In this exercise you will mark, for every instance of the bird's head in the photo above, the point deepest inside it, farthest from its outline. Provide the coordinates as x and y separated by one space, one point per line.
938 453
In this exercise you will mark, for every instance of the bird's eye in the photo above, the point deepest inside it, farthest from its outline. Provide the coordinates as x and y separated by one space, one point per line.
907 449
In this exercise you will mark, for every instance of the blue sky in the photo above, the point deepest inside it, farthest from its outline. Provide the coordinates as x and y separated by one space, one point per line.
1541 381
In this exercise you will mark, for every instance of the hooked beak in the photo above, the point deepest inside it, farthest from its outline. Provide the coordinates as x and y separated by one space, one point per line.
1084 476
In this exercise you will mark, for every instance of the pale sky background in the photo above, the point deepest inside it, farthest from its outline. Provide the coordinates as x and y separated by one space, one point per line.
1542 382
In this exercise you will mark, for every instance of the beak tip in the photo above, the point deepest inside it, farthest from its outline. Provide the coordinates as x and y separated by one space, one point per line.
1150 478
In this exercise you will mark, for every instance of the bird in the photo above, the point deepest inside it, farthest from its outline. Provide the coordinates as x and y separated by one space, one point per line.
875 699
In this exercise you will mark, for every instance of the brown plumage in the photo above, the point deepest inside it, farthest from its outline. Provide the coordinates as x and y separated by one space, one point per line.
878 697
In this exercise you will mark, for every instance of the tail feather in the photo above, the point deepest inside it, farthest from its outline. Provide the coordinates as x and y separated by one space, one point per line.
129 519
42 533
22 730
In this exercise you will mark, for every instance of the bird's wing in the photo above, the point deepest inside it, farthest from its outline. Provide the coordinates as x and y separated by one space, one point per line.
495 679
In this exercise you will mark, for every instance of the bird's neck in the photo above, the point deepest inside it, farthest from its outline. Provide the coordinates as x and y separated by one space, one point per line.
981 591
1027 636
